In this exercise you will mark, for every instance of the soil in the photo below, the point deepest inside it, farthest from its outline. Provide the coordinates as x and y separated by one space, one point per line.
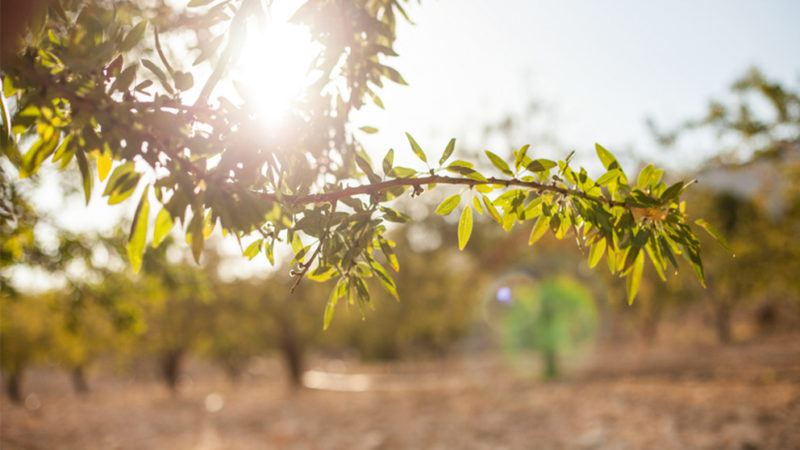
743 396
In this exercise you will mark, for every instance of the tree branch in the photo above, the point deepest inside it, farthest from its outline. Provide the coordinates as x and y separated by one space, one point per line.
375 188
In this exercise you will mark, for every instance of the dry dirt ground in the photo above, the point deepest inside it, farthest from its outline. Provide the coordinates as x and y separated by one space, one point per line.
744 396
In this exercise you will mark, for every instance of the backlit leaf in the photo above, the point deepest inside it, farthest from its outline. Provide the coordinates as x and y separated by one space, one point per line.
104 160
162 227
635 277
448 205
138 233
499 163
388 160
541 226
596 252
416 148
448 151
714 233
464 227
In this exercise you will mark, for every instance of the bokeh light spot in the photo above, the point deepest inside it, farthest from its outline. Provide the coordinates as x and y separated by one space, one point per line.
504 294
214 402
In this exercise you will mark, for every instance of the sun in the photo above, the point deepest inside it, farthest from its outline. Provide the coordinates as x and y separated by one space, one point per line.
274 65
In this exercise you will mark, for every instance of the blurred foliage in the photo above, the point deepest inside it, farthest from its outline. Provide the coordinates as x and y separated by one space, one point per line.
750 190
553 317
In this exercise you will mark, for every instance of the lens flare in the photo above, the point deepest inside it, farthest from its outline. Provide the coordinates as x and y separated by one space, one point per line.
273 72
504 294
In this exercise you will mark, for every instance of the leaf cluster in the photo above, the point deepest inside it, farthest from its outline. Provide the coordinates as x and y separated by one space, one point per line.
83 93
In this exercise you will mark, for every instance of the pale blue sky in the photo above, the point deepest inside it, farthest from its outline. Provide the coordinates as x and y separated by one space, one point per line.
603 65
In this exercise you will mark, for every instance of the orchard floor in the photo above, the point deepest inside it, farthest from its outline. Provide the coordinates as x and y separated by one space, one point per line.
742 396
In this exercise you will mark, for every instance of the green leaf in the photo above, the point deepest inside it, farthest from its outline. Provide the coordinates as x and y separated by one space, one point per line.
520 155
499 163
402 172
336 293
86 176
163 225
464 227
448 151
655 257
541 165
608 160
644 176
596 252
394 216
123 82
393 75
268 250
138 234
476 202
252 250
208 224
122 183
491 209
542 224
195 235
672 192
635 277
715 234
386 248
162 77
369 130
388 160
385 278
416 148
133 37
366 167
608 177
448 205
322 273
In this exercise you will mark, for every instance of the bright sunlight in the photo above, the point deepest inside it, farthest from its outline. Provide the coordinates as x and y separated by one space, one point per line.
274 65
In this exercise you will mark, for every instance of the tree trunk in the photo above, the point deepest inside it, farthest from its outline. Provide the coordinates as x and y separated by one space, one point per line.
13 383
292 353
722 322
550 364
79 384
171 368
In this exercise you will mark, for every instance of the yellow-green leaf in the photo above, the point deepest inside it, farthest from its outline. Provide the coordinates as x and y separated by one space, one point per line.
448 205
635 277
542 224
714 233
194 236
138 233
596 252
476 202
416 148
448 151
464 227
163 225
499 163
104 161
491 209
252 250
